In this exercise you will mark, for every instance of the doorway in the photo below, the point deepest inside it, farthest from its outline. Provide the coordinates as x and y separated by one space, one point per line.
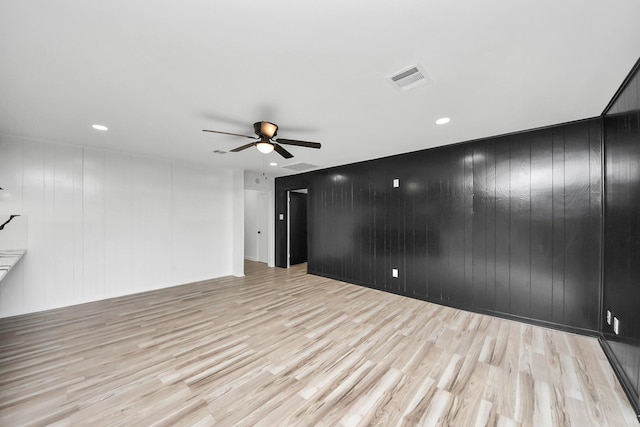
263 228
259 226
297 227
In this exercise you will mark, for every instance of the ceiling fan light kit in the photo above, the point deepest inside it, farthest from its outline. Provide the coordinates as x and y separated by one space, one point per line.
264 141
264 147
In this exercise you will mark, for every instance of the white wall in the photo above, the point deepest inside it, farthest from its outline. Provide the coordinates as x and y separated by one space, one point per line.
250 224
254 184
102 224
237 257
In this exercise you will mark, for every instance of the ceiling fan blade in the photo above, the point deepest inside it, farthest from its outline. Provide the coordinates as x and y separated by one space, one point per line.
298 143
229 133
280 150
244 147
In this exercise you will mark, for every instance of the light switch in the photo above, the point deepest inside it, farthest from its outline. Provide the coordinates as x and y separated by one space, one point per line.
616 326
396 183
394 272
281 217
608 317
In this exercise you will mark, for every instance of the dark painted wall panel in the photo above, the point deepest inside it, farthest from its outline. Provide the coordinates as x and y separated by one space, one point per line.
621 284
575 202
558 222
437 216
479 255
505 225
520 228
541 212
490 229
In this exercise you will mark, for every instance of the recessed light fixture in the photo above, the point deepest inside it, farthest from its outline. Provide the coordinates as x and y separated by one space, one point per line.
273 164
443 121
100 127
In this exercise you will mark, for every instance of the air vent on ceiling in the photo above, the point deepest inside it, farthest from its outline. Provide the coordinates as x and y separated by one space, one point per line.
300 167
410 77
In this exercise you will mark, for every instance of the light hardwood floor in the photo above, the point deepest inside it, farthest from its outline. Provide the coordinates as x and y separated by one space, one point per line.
280 347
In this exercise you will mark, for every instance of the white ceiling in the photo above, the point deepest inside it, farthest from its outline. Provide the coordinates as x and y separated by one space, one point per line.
158 72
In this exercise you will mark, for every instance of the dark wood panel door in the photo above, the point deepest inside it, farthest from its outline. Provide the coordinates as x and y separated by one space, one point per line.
297 228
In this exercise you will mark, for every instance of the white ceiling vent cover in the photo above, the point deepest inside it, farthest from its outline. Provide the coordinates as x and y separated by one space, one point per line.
300 167
409 77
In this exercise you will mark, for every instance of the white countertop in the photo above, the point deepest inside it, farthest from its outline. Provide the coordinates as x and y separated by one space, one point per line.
8 259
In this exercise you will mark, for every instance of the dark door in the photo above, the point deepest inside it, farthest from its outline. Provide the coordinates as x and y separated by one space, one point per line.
297 228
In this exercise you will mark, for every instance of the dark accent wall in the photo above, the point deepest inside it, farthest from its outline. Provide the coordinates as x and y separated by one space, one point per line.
621 284
509 225
283 185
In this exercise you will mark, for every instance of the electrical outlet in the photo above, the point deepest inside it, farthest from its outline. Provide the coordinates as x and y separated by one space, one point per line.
616 326
608 317
394 272
396 183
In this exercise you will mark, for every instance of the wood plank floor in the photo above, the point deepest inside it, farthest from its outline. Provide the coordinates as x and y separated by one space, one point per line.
280 347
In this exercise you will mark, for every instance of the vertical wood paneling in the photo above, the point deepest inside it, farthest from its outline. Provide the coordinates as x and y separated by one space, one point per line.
490 227
366 222
456 237
520 227
325 213
621 277
11 202
480 231
414 198
66 221
49 225
502 225
313 222
395 228
94 232
467 191
150 212
578 286
541 226
436 224
78 219
103 224
381 261
344 223
36 273
118 218
596 177
201 214
360 227
558 225
11 174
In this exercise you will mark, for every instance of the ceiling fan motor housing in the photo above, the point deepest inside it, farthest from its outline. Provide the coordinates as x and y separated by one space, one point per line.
264 143
265 129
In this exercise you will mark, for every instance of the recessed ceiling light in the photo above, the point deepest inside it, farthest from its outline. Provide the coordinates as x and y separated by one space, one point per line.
100 127
443 121
273 164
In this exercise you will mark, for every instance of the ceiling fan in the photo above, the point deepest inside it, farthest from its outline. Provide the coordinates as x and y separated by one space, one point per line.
265 143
